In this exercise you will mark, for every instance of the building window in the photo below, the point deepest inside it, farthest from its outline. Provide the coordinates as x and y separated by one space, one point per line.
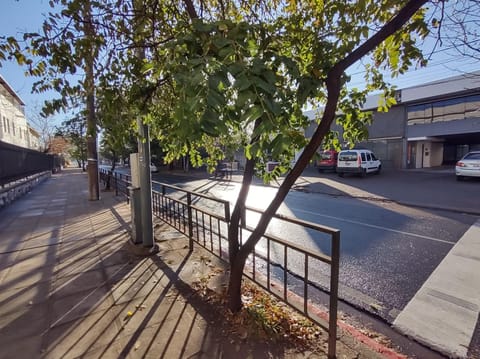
460 108
419 114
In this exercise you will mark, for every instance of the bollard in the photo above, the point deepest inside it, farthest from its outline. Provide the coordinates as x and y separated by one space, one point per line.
135 208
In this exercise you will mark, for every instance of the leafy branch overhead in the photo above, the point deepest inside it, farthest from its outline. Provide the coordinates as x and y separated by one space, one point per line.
226 74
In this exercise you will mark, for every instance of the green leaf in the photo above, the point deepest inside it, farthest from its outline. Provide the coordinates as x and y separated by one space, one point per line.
252 114
242 83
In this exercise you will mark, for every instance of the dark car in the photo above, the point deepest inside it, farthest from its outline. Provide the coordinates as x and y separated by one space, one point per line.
327 161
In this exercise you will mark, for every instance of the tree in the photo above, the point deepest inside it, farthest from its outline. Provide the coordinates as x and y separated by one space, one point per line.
74 129
255 75
43 125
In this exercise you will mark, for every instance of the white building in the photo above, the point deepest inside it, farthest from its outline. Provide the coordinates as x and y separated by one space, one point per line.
14 128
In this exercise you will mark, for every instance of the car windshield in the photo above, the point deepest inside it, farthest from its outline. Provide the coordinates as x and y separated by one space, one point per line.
472 156
326 155
348 156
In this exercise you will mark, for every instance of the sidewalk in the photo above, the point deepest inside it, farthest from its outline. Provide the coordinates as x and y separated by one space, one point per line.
70 287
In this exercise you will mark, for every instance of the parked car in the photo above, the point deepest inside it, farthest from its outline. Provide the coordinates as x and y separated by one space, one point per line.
327 161
153 168
468 166
358 162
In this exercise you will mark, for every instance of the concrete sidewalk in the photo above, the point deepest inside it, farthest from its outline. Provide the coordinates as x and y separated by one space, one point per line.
71 287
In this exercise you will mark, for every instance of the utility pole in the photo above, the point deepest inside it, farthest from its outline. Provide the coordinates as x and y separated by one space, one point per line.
92 154
143 148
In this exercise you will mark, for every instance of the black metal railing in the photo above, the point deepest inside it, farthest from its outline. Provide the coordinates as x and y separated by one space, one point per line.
18 163
116 181
205 220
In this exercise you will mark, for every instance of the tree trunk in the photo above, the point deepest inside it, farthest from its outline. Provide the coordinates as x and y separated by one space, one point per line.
235 283
92 155
238 211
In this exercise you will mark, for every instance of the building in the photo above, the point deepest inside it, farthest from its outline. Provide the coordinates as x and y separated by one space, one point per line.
14 128
431 125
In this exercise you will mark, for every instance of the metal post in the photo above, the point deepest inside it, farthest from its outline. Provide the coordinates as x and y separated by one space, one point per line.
135 213
190 221
227 212
333 305
116 183
145 183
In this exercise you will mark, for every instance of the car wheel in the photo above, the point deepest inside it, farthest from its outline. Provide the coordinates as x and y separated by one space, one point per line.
341 174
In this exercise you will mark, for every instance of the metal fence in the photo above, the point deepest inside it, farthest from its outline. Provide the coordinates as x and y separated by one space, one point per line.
18 162
205 220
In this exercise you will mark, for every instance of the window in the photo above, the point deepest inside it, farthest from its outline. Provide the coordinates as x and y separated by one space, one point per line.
459 108
368 157
364 158
419 114
348 156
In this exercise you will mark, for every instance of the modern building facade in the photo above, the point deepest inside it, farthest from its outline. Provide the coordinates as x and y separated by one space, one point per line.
14 128
431 125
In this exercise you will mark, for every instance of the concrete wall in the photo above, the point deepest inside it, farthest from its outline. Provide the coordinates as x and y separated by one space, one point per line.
388 124
18 189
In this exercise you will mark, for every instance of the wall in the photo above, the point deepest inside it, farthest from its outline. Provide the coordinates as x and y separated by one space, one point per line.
13 123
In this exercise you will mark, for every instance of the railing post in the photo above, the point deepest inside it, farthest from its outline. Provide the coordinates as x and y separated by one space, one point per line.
333 306
227 212
190 221
116 183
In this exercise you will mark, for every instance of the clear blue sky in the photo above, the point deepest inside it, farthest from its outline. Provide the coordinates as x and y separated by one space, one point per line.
18 16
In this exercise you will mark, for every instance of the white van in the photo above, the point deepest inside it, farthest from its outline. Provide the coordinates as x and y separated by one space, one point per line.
358 162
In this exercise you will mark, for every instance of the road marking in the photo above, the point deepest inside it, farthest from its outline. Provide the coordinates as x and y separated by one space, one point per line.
374 226
443 314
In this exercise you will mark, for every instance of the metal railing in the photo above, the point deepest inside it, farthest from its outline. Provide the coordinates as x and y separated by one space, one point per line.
118 181
205 220
274 252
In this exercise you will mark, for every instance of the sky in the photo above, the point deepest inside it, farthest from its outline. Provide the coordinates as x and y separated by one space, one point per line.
18 16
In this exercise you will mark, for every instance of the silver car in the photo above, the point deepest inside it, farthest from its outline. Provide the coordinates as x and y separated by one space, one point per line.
468 166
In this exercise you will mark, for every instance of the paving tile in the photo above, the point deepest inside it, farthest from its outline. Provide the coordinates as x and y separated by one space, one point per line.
21 279
24 348
131 288
81 262
13 300
77 283
72 307
94 333
33 320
